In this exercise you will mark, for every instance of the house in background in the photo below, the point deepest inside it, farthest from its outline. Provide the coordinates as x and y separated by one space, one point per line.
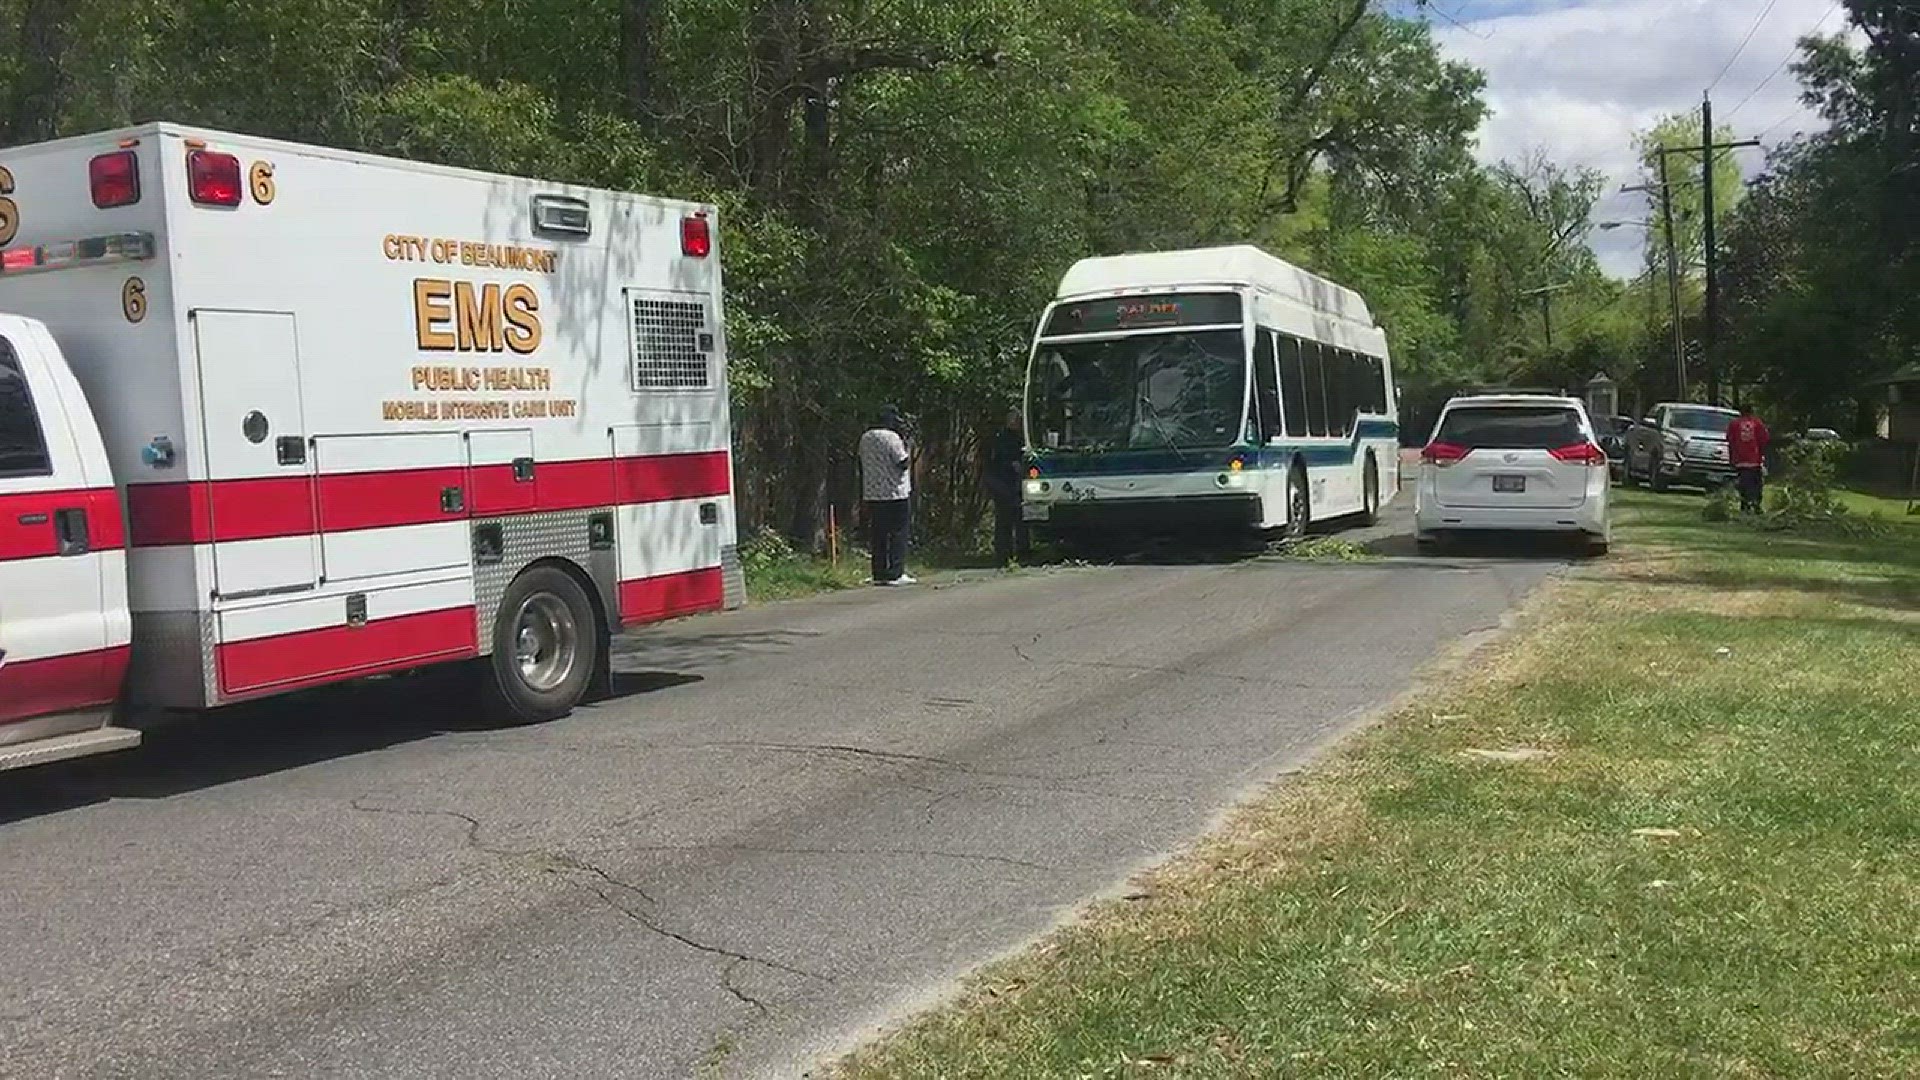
1895 401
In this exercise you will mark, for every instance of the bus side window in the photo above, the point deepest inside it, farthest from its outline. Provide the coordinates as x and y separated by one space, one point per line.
1359 398
1376 386
1266 383
1293 385
1316 355
1339 392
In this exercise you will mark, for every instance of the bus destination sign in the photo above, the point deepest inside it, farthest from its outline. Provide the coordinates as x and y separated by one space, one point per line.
1144 312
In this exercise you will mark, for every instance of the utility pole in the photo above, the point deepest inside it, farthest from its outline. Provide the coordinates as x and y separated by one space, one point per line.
1545 293
1713 284
1709 151
1673 277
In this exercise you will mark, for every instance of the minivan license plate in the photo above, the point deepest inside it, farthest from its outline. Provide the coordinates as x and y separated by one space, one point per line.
1509 483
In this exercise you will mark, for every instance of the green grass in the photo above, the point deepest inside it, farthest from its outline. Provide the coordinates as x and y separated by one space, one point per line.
790 579
1862 503
1411 907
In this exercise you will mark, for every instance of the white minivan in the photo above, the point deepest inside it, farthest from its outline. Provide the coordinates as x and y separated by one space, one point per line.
1513 462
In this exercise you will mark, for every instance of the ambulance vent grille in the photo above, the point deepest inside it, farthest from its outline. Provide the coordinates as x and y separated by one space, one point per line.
671 342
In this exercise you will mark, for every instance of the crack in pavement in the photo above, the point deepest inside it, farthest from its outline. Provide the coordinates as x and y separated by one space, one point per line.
567 868
650 923
727 984
927 853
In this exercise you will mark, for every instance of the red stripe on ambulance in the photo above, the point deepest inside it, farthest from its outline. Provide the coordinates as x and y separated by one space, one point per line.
27 529
675 476
195 512
57 684
380 500
330 654
668 595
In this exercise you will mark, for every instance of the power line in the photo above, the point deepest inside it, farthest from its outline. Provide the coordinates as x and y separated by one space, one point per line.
1428 5
1792 54
1751 30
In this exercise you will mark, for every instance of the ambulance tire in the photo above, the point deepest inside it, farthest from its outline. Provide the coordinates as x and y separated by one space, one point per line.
543 648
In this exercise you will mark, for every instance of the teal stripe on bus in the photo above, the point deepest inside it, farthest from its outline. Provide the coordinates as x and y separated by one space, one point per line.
1315 454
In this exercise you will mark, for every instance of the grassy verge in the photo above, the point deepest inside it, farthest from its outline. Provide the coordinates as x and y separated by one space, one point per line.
1667 828
1861 503
790 579
776 571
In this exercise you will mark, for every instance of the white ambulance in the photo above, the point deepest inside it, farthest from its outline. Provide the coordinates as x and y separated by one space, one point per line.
276 416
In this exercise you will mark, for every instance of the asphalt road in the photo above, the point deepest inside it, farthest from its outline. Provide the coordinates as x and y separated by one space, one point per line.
795 821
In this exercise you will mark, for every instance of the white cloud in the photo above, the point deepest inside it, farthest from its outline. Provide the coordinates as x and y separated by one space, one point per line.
1579 78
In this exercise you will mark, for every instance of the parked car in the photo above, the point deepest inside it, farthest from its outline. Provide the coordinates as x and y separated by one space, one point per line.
1680 444
1513 462
1613 439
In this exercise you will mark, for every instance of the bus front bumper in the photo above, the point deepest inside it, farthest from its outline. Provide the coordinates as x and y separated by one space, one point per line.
1237 510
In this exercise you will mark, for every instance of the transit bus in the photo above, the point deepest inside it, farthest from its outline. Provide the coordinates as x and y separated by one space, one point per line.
1205 392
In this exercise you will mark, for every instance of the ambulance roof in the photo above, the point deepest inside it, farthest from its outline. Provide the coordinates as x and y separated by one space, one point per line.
1240 265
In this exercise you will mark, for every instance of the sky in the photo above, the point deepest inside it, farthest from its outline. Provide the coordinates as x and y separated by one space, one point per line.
1578 79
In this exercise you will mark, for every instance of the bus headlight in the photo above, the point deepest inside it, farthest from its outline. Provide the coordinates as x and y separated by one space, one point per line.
1231 480
1036 488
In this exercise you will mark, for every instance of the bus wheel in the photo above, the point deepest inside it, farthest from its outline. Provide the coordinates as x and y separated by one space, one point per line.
1299 505
543 647
1370 493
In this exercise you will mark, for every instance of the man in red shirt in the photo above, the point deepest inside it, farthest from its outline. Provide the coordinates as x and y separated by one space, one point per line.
1747 440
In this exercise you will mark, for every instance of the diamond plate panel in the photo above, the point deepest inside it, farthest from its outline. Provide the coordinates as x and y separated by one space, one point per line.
529 537
734 579
173 660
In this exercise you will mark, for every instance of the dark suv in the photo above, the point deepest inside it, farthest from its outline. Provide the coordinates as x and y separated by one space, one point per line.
1680 444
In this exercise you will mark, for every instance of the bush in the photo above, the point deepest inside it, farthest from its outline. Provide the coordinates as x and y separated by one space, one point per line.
1720 504
765 550
1804 499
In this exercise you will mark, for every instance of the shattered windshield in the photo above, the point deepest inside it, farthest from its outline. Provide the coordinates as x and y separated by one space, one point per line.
1178 391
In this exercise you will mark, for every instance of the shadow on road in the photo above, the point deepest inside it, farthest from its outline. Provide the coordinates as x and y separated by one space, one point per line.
198 751
1490 546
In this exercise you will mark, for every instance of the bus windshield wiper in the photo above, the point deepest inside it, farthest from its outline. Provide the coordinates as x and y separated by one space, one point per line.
1152 415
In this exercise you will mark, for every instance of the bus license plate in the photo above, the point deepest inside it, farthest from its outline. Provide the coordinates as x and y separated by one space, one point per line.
1036 511
1510 484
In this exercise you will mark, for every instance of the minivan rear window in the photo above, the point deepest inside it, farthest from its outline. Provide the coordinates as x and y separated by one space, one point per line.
1510 427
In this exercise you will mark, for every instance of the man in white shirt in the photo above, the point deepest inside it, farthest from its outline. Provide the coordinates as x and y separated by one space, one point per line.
886 485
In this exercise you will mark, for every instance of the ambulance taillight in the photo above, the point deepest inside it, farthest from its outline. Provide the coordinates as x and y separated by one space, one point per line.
213 179
696 237
115 179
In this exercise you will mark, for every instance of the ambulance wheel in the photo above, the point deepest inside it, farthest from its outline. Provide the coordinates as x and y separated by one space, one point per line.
543 648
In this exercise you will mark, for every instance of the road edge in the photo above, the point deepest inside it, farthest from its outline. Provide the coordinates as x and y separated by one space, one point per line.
1259 779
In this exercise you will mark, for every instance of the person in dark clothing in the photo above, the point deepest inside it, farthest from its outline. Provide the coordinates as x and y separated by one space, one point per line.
886 485
1001 476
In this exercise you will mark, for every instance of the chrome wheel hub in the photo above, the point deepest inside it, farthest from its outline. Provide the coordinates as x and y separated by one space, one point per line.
546 641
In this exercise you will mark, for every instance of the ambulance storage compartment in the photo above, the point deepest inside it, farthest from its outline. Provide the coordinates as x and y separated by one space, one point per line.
275 416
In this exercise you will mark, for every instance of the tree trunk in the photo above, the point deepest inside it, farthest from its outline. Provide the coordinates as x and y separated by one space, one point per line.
637 21
40 93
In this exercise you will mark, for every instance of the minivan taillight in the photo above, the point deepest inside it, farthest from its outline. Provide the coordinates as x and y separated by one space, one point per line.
114 179
1443 454
213 179
696 237
1580 454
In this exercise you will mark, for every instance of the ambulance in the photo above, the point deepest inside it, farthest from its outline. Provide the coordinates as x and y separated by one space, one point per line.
277 416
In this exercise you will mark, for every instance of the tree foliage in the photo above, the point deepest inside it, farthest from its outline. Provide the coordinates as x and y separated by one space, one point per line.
902 182
1823 257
